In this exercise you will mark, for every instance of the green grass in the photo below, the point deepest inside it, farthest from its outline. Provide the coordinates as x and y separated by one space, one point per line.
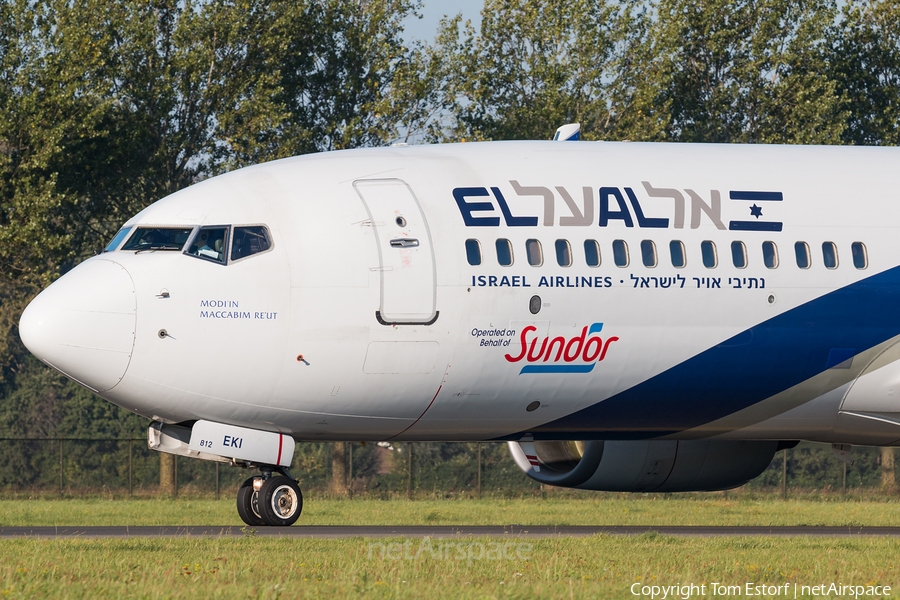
465 567
593 567
619 510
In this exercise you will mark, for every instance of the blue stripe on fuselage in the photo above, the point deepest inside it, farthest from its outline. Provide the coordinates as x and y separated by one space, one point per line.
745 369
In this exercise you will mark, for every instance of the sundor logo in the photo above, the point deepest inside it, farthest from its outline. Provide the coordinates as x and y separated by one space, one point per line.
584 350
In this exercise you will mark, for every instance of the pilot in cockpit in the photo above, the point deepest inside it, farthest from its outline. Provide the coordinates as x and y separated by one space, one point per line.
210 244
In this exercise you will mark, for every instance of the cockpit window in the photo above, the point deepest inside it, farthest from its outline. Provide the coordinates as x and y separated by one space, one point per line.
249 240
210 243
156 238
123 233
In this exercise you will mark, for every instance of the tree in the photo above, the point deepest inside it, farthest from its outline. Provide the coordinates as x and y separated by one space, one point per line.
338 61
104 109
888 480
532 67
865 64
107 108
39 115
340 482
750 71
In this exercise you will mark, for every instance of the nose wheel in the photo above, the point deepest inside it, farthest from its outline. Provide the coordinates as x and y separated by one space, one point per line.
273 500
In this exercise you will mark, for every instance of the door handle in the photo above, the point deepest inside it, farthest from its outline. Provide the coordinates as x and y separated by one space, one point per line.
404 243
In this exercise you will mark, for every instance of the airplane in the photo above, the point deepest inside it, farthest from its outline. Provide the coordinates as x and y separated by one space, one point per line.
645 317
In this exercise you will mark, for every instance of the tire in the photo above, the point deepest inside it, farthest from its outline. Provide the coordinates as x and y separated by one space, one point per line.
280 502
247 500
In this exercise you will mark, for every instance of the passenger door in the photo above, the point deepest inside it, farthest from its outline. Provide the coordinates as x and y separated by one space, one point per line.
405 253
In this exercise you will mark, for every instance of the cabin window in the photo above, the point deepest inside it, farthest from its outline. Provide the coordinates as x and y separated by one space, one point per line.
504 252
648 253
830 255
708 252
533 253
620 253
563 253
592 253
158 238
770 255
860 256
676 251
248 241
473 252
739 254
210 243
801 250
123 233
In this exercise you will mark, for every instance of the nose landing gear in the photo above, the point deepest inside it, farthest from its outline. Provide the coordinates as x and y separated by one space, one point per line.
270 499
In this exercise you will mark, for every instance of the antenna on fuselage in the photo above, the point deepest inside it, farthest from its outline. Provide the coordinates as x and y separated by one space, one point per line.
570 132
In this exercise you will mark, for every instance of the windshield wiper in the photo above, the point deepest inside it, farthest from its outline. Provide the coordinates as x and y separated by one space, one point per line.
159 247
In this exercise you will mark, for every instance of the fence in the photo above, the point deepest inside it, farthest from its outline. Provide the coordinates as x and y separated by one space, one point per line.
120 466
76 466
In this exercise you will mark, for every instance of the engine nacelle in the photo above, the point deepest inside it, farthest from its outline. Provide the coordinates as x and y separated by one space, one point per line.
644 466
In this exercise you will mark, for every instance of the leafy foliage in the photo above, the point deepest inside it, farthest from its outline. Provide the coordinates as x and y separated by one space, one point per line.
814 466
534 65
734 71
105 108
866 70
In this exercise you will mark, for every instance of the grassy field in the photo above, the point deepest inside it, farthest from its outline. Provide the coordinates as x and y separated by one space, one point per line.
467 567
594 567
711 509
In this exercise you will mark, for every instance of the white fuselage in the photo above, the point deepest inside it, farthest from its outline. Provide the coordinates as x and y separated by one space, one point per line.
366 321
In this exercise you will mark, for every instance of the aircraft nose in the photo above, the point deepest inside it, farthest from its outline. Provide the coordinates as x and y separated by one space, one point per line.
83 324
